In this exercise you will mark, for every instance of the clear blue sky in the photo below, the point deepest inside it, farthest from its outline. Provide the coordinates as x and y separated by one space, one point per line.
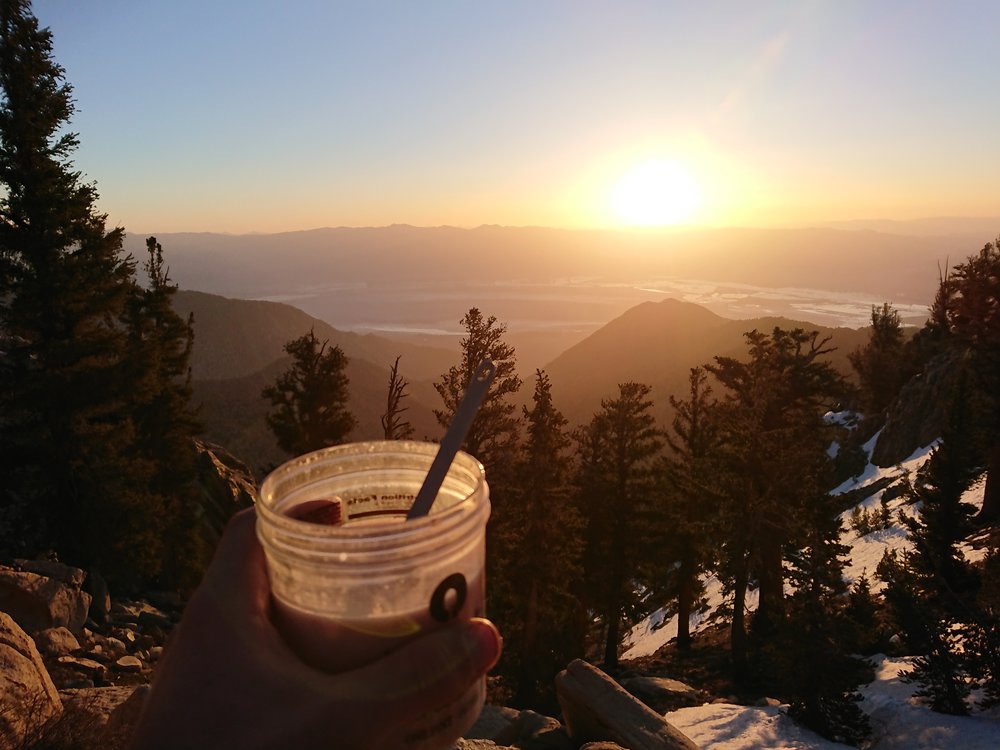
244 115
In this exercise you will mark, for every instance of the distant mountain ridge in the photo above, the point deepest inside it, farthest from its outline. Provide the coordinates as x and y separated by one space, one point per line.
658 343
238 350
896 267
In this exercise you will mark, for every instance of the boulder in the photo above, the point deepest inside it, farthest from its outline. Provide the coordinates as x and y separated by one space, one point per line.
56 570
464 744
602 746
82 664
663 694
492 720
37 601
596 708
56 641
128 664
534 731
28 698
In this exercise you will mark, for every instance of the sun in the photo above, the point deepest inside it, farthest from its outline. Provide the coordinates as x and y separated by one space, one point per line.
658 192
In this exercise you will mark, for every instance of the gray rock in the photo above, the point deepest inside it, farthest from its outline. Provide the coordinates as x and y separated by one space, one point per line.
56 641
597 708
464 744
115 645
534 731
662 694
227 484
28 697
155 653
96 702
82 664
57 571
492 720
37 602
128 664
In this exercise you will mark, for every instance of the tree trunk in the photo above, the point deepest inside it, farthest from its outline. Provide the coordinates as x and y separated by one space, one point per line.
738 633
771 608
526 680
611 643
685 600
990 512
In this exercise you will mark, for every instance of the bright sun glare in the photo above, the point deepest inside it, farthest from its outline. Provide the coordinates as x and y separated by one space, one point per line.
656 193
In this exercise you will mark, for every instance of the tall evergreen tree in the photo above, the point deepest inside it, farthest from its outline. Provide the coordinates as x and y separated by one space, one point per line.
774 439
617 498
689 512
494 430
71 466
882 364
974 319
309 400
535 594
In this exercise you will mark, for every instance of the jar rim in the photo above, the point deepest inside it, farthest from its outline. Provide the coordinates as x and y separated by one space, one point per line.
372 534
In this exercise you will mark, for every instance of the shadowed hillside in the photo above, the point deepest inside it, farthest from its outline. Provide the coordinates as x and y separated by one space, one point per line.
236 337
657 343
238 350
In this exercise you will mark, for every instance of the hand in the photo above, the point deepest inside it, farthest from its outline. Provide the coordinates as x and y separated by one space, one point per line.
228 680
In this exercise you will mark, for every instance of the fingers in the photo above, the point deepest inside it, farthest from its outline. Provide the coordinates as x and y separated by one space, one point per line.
432 671
238 572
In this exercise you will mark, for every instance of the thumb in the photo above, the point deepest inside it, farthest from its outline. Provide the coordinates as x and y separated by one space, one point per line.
433 670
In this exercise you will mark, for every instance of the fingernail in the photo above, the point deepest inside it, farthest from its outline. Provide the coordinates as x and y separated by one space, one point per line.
484 642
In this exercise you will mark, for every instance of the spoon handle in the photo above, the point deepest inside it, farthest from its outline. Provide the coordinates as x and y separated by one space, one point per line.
453 438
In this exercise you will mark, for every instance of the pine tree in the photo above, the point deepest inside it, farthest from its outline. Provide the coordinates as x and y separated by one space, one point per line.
881 364
309 399
773 448
394 427
617 498
493 433
160 349
71 468
974 319
535 594
690 511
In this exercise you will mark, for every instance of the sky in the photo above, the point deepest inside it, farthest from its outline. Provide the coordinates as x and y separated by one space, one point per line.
264 116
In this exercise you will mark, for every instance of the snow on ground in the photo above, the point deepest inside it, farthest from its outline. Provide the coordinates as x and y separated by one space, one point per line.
899 721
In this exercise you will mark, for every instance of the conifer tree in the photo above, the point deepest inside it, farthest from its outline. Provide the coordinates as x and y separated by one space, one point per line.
494 430
617 498
974 319
71 467
882 364
309 400
773 447
535 595
394 427
690 512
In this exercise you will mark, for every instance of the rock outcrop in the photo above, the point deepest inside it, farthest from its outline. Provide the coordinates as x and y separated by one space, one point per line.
227 484
598 709
917 416
41 595
663 694
28 698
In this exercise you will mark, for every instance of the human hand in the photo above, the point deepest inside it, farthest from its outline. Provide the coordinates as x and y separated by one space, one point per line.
228 680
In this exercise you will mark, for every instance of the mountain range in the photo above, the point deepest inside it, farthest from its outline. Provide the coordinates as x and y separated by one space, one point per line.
238 351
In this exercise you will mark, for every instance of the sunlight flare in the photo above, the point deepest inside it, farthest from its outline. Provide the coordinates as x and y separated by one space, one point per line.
658 192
